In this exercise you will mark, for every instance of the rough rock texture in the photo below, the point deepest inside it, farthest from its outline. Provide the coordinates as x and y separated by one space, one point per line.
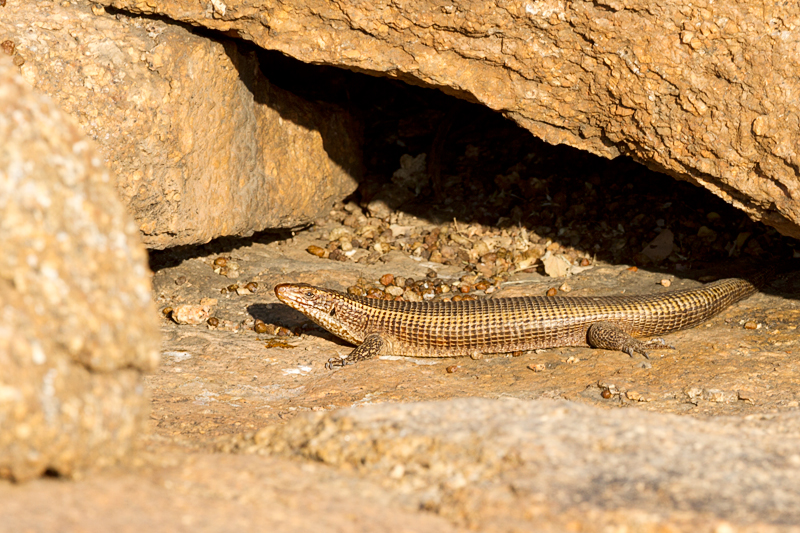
202 144
189 493
706 91
506 464
77 322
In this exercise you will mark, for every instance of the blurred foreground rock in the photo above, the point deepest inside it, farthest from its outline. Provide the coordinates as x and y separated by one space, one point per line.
505 465
77 322
703 91
202 144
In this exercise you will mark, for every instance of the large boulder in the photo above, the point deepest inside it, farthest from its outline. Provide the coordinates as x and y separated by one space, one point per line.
705 91
201 143
77 323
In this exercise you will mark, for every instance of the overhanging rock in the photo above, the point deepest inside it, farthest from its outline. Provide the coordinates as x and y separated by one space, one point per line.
705 91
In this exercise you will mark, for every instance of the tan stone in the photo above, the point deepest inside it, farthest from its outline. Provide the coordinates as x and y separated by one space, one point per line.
201 143
703 91
77 322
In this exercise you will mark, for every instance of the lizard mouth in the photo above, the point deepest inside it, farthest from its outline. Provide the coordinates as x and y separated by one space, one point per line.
288 294
298 296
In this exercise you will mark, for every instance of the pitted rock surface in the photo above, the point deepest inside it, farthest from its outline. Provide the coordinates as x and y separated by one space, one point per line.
77 321
202 145
688 88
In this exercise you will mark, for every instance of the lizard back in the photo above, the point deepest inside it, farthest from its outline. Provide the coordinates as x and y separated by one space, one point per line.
439 329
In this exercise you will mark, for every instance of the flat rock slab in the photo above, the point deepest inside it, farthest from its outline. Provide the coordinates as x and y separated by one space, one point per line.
504 464
531 460
719 368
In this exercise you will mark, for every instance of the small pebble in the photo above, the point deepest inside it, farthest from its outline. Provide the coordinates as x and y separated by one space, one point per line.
374 293
482 285
233 288
221 261
606 394
634 396
166 311
410 295
260 326
665 282
356 291
337 255
316 250
252 286
213 321
538 367
8 47
552 291
387 279
585 262
338 233
565 287
750 324
189 314
394 290
633 269
452 368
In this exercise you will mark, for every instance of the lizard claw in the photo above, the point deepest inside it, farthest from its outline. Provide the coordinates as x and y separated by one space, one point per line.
335 362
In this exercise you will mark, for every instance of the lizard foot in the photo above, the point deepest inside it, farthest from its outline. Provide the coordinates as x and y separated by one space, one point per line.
370 348
610 337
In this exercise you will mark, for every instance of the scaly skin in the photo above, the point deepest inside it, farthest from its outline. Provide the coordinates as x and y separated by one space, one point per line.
502 325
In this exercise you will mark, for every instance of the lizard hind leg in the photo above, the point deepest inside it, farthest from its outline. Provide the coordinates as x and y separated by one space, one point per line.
372 346
611 337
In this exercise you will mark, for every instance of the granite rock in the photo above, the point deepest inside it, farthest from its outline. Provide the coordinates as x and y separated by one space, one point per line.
505 465
202 145
704 91
77 322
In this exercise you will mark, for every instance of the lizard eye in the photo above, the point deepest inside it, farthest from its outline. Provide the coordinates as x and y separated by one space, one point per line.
309 294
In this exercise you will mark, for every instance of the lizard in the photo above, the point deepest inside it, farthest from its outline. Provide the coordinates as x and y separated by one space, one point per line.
503 325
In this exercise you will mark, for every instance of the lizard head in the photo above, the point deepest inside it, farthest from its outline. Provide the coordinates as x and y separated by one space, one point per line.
305 298
317 304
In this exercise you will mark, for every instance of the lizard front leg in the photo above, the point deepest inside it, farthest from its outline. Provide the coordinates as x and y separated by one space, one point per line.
611 337
372 346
